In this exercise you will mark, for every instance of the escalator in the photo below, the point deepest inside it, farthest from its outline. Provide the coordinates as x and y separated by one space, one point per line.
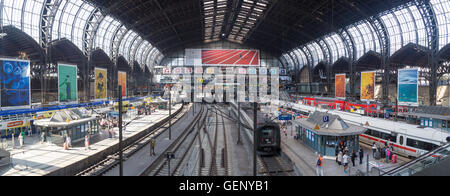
434 163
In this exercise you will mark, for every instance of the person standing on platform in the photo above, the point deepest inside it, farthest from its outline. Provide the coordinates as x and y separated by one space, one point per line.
346 160
388 154
319 166
374 149
86 142
69 141
340 156
361 155
353 156
21 140
152 147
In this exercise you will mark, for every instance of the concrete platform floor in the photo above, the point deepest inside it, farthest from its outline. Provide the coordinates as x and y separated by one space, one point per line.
37 159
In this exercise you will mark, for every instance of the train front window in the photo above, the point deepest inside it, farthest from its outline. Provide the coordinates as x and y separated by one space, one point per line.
267 133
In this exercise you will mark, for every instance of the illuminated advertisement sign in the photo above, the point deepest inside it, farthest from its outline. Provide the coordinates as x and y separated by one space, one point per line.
15 83
123 82
67 83
340 86
222 57
101 83
408 86
368 86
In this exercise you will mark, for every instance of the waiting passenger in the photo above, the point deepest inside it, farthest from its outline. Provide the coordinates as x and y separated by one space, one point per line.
346 161
361 156
319 166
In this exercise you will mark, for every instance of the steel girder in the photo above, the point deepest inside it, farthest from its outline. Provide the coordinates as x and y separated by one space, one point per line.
385 44
431 27
49 10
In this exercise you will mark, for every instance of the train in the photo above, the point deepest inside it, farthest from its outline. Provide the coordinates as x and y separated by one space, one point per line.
268 132
408 140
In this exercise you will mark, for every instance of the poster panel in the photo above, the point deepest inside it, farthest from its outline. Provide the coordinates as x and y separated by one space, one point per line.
368 86
67 83
123 82
15 83
340 86
222 57
101 84
408 86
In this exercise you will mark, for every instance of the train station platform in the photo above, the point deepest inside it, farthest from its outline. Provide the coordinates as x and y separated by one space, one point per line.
305 159
36 159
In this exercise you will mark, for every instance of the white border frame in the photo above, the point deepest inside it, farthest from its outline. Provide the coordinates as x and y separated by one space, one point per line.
29 73
76 84
398 88
374 82
126 83
335 86
95 82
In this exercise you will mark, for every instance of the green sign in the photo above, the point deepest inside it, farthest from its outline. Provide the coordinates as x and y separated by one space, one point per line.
67 83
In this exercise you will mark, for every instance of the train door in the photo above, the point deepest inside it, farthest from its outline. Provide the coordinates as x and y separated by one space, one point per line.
402 142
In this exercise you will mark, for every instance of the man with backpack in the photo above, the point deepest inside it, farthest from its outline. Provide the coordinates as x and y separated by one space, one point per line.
319 166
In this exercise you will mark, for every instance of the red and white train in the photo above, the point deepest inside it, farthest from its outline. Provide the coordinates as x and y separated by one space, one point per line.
408 140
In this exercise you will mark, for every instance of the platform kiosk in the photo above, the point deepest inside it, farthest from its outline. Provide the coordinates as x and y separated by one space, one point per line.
430 116
324 133
73 123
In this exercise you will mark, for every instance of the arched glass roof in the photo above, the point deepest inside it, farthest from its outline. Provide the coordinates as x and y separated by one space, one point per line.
404 25
70 22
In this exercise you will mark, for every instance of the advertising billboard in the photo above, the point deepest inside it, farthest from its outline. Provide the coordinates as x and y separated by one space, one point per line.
408 86
67 83
222 57
368 86
15 83
340 86
123 82
101 84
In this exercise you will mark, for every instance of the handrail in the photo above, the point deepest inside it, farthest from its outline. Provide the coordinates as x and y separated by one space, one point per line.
414 162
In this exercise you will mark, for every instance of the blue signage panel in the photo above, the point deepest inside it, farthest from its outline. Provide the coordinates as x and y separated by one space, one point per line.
326 119
285 117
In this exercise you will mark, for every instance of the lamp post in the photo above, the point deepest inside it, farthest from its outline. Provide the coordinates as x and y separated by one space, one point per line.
120 131
255 123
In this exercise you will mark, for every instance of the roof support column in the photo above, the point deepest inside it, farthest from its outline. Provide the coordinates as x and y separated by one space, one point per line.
89 34
328 58
385 44
350 44
431 27
50 7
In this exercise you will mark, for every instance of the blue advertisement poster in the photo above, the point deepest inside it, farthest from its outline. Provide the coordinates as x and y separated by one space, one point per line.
15 83
408 86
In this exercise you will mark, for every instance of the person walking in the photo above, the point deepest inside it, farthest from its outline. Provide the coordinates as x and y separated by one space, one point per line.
361 155
346 160
319 166
152 147
21 140
353 156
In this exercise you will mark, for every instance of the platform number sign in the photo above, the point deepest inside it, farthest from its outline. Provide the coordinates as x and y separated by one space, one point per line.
326 119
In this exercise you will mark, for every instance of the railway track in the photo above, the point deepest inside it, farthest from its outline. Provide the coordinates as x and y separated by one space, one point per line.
276 166
111 161
180 148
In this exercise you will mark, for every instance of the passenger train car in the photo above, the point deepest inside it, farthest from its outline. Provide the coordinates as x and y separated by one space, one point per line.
407 139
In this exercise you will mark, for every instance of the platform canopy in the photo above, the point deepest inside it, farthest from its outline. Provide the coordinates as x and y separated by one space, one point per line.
329 125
